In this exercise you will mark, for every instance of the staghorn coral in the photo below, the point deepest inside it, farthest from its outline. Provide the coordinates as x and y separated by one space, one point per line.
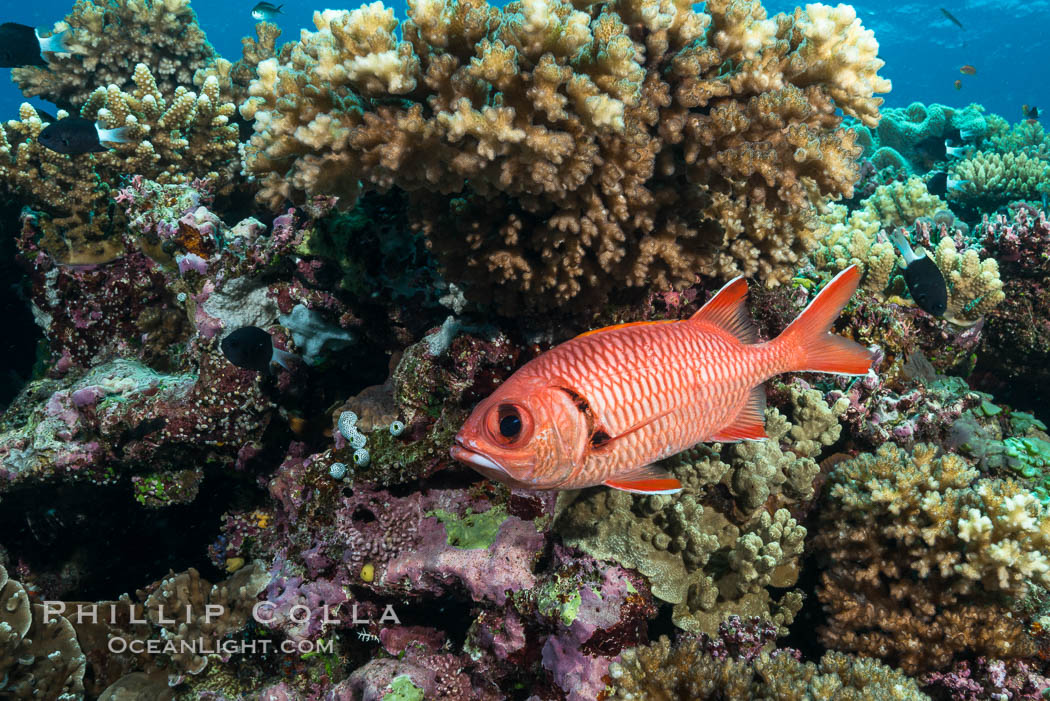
569 160
688 670
707 556
39 654
174 137
920 553
109 37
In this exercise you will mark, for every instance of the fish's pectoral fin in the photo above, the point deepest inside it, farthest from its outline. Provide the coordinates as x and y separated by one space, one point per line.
750 423
648 479
728 311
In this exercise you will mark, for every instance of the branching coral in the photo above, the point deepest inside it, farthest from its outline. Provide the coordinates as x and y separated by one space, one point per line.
900 204
631 144
974 285
920 552
234 78
174 137
853 238
995 179
662 672
109 37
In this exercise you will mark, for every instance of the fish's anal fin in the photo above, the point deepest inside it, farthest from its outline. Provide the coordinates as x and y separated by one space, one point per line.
750 423
728 311
648 479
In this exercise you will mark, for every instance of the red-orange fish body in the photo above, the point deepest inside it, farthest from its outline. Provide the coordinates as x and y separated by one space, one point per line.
602 407
968 70
958 84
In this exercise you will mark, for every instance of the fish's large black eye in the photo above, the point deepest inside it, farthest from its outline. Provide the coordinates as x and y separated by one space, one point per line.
510 425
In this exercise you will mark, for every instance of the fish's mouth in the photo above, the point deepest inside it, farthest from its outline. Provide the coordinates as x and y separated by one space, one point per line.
473 457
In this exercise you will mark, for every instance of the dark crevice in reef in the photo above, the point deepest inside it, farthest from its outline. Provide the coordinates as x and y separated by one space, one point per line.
802 634
88 543
21 335
662 624
456 617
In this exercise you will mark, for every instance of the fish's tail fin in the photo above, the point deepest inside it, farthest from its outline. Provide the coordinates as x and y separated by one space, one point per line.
899 238
120 135
813 347
57 43
283 358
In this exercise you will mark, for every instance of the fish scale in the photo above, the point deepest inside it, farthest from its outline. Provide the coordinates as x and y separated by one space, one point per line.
603 407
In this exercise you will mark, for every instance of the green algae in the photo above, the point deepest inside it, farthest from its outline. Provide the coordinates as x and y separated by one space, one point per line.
402 689
472 531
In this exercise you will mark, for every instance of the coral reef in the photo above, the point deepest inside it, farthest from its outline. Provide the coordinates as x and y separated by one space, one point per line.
707 554
407 211
689 670
994 178
855 238
175 136
108 38
599 166
920 552
912 139
39 654
1017 332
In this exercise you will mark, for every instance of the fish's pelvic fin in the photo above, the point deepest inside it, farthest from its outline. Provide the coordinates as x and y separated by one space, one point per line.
120 135
750 423
648 479
810 339
728 311
56 43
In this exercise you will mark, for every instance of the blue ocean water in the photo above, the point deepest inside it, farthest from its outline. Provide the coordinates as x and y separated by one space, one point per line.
1007 41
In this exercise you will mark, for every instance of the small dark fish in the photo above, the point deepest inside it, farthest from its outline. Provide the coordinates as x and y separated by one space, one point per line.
952 19
21 45
968 70
925 281
957 84
76 135
941 184
266 12
252 348
1030 111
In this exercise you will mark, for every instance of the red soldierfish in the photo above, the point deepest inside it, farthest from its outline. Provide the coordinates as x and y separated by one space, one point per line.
602 407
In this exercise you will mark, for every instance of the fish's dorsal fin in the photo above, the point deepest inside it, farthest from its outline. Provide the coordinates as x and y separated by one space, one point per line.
728 311
648 479
624 326
750 423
